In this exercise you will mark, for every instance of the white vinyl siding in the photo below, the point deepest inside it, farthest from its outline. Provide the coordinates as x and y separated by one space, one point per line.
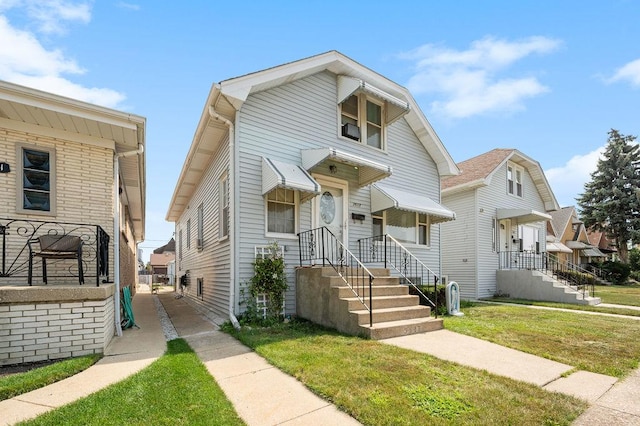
212 265
280 122
472 235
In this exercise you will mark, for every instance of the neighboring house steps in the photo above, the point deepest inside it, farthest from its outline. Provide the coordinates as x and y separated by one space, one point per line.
322 296
536 285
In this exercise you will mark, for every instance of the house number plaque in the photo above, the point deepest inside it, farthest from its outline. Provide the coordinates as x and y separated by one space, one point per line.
4 168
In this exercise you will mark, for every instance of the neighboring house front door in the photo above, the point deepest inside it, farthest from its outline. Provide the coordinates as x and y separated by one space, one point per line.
330 207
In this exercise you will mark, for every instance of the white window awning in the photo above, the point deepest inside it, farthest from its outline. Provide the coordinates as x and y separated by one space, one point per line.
395 107
521 216
593 252
277 174
577 245
558 247
383 198
368 171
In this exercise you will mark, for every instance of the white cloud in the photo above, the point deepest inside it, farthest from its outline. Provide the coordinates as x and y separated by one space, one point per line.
567 181
130 6
629 72
472 81
26 61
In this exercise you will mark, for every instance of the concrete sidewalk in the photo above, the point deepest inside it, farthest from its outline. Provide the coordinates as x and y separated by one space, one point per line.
263 395
125 355
260 393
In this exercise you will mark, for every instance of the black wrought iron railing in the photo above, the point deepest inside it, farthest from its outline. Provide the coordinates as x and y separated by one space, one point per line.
571 275
388 251
18 238
321 246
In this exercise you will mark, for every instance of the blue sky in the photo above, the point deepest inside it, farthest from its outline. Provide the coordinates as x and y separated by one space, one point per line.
549 78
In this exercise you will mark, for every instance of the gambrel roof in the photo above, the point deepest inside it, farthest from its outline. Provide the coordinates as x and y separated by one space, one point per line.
228 96
480 170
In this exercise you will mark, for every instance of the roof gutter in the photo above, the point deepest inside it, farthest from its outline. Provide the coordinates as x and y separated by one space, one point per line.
116 231
232 282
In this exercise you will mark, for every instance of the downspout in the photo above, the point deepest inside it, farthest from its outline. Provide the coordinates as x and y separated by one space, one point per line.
116 231
232 282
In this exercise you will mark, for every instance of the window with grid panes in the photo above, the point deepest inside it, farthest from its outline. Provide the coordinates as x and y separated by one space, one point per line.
281 211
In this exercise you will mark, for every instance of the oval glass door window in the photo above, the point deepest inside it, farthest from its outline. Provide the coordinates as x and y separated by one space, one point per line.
327 207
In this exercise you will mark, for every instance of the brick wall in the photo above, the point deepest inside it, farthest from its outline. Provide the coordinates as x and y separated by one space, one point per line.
41 331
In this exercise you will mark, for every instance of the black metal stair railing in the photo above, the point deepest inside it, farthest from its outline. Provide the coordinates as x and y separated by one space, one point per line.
321 245
573 276
16 234
385 249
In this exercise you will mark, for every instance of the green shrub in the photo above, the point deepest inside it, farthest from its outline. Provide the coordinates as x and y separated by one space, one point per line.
616 272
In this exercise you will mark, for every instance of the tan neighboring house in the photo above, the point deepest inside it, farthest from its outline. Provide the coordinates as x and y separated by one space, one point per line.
572 239
160 261
605 245
73 179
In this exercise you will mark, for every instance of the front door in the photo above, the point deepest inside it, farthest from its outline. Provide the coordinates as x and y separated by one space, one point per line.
329 207
504 244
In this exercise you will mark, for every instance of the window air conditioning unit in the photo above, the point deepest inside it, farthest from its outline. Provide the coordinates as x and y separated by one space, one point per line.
351 131
199 243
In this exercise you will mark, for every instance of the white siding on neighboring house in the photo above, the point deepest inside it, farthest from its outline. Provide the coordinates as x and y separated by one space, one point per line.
459 252
490 199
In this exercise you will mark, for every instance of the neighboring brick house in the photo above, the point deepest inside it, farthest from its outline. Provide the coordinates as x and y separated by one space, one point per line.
71 170
569 230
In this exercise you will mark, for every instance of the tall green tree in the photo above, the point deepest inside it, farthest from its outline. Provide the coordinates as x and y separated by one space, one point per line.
611 200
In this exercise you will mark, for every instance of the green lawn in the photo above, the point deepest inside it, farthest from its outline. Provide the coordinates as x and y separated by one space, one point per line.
19 383
380 384
601 344
619 294
176 389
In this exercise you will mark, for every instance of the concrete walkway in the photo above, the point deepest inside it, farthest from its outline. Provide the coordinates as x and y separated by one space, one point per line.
263 395
135 350
260 393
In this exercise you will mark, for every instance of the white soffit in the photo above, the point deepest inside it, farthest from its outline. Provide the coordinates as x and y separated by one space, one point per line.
383 198
368 171
348 86
276 174
522 216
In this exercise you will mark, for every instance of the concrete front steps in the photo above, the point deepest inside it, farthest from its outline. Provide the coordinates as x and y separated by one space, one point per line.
323 297
534 285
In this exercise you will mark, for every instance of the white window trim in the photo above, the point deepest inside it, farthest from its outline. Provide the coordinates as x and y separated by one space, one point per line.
416 242
200 226
362 121
52 180
222 182
281 235
515 169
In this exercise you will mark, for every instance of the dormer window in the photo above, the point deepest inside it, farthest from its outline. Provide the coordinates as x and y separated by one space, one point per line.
362 120
514 180
366 110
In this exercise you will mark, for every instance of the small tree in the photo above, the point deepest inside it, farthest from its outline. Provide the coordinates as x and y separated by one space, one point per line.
610 202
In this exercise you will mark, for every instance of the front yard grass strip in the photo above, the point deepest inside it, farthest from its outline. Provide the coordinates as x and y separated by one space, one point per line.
619 294
19 383
596 343
380 384
589 308
175 390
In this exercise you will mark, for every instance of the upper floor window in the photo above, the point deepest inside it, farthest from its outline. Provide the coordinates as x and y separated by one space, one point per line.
281 211
514 180
361 120
224 205
36 180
